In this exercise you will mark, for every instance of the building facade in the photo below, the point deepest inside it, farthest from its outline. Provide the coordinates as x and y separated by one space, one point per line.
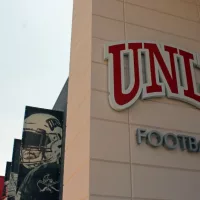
104 157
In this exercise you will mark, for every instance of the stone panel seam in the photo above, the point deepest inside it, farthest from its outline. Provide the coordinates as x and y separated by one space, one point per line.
146 165
99 90
108 120
111 121
198 8
138 198
166 167
103 64
146 126
151 10
152 100
110 161
169 33
110 18
124 17
156 41
194 3
109 196
164 129
129 128
133 24
130 154
99 119
165 13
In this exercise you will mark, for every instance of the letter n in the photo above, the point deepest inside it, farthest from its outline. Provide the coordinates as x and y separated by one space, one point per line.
162 71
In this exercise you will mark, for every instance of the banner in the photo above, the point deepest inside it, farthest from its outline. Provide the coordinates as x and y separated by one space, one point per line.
1 185
6 181
14 170
40 156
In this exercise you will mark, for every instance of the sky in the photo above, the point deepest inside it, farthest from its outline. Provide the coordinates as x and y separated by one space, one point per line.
35 37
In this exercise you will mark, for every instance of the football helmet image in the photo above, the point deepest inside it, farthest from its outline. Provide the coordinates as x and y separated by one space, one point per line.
42 140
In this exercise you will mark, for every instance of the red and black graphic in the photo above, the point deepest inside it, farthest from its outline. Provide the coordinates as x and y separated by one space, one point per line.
40 157
6 181
14 170
1 185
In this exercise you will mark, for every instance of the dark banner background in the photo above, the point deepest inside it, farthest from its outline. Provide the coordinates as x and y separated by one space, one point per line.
14 169
40 156
16 156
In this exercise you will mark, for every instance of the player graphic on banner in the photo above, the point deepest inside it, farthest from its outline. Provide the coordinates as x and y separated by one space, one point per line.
40 158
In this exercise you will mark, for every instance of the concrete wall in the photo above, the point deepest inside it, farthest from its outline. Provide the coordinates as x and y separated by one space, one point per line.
119 168
102 160
76 169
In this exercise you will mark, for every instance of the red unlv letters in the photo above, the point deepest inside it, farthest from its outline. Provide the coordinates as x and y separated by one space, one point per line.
154 71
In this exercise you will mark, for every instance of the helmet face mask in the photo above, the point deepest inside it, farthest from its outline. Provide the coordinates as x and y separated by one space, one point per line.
42 140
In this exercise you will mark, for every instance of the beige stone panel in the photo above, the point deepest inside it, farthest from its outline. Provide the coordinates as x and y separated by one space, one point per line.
143 153
99 79
77 121
109 141
164 183
107 198
82 8
80 57
198 2
134 32
109 178
78 90
197 78
172 7
98 50
165 116
80 60
107 29
163 22
80 22
146 199
100 108
197 74
165 100
78 186
190 1
108 8
76 173
81 40
77 153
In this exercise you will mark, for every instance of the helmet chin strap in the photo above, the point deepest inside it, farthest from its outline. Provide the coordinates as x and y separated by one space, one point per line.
32 162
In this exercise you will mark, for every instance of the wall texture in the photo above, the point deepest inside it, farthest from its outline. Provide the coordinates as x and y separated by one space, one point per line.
76 167
119 168
102 160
